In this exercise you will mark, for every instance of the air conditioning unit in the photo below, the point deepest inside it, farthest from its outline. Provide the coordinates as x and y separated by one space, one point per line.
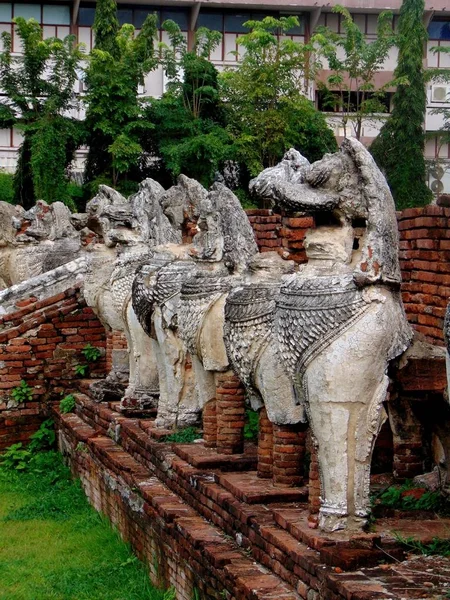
436 173
440 93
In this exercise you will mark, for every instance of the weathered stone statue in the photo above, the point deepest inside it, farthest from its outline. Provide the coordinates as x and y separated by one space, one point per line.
35 241
183 301
340 319
129 228
251 342
221 249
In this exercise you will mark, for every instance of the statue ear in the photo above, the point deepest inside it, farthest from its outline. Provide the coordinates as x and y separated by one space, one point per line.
379 254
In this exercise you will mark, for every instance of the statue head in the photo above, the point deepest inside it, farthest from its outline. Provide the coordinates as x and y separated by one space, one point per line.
345 190
224 232
44 222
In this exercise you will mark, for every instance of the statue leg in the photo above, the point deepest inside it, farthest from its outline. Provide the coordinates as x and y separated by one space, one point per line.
277 390
178 403
143 387
345 387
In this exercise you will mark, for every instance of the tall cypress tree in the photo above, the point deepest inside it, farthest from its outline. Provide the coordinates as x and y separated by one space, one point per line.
399 148
105 28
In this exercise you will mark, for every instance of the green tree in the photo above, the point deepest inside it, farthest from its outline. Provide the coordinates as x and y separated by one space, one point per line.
189 134
265 97
354 61
106 26
38 87
113 110
399 147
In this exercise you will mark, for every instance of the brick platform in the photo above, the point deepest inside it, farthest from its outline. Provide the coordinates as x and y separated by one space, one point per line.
196 531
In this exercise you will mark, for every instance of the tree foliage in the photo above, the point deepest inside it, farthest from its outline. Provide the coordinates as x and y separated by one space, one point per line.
354 61
399 147
265 97
113 110
38 87
189 133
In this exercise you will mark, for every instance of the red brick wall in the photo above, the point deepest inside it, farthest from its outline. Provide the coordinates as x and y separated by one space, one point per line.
115 340
424 258
425 263
41 343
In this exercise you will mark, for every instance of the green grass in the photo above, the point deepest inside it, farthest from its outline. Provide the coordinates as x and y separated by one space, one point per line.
54 546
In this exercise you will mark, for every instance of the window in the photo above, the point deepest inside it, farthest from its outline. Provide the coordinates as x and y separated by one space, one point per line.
125 15
28 11
180 17
86 17
211 20
5 13
141 14
54 14
439 30
329 101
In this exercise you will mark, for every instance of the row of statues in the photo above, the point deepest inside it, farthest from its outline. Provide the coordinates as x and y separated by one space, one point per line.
179 272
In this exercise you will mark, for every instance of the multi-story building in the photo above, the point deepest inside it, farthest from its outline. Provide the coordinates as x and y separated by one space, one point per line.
58 18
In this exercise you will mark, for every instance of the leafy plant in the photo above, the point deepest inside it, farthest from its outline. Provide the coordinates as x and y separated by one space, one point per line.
18 458
354 62
114 120
81 369
251 427
67 404
395 497
22 393
265 97
44 438
15 458
189 131
184 436
38 88
91 353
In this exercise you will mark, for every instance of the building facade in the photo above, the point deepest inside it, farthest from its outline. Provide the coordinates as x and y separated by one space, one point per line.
228 16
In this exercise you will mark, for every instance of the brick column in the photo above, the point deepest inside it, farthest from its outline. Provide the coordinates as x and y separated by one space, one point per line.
314 483
210 424
230 410
408 458
265 446
288 453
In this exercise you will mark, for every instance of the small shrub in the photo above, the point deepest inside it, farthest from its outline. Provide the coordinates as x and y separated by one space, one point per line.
184 436
81 370
22 393
67 404
394 497
15 458
91 353
6 187
44 438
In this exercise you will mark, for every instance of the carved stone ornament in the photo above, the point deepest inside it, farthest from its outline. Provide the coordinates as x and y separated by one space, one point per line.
339 321
35 241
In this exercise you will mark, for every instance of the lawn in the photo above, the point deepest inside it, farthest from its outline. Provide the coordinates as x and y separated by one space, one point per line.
54 546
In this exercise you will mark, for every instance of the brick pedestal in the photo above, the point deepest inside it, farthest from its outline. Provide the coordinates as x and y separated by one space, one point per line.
230 409
265 446
408 459
314 483
210 424
288 454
